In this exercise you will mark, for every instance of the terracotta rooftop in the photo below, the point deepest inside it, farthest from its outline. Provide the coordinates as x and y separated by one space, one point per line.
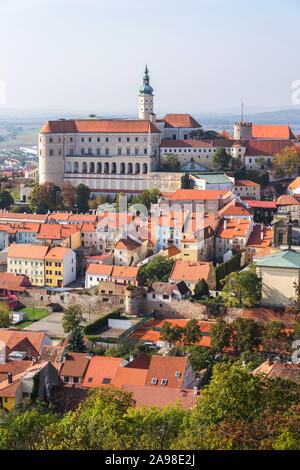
180 120
170 368
101 371
12 338
184 270
161 396
295 183
257 148
14 282
58 252
101 269
271 131
99 126
74 365
129 376
125 271
246 183
199 194
231 228
27 251
287 200
127 244
261 237
234 208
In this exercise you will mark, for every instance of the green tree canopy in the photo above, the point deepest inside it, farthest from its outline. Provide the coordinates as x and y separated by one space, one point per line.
201 289
170 163
221 159
243 288
158 269
6 199
82 197
5 319
220 335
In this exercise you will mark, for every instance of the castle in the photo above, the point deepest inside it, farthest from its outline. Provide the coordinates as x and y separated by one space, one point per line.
125 155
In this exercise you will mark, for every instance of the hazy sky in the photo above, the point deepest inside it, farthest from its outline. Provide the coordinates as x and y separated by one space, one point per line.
202 55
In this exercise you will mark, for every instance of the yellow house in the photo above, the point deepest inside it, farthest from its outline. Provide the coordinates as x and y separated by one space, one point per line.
60 267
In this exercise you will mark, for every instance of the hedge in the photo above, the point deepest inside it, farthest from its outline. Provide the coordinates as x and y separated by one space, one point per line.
223 269
94 327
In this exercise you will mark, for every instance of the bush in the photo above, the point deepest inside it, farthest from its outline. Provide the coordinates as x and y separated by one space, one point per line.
223 269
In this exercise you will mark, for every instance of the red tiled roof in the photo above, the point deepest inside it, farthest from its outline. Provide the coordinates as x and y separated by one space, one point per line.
74 365
129 376
101 269
245 183
256 148
186 143
199 194
161 396
56 231
295 183
27 251
14 337
165 367
99 125
58 252
263 204
14 367
125 271
271 131
287 200
260 237
184 270
99 369
232 228
14 282
127 244
234 208
180 120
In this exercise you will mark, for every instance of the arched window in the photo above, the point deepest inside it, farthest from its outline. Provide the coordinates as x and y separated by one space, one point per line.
106 167
129 168
68 167
99 169
92 167
122 168
113 168
75 168
137 168
84 167
145 168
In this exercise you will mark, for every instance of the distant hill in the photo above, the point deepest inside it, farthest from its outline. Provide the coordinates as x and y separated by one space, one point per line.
283 116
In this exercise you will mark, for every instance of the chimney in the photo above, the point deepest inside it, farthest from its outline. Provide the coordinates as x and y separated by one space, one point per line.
131 357
9 377
195 393
225 224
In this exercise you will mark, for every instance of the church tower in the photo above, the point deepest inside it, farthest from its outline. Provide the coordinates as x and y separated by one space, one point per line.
146 99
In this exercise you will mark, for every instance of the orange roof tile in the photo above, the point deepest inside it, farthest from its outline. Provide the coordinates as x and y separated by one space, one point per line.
180 120
295 183
11 338
127 244
27 251
101 269
99 125
125 271
56 231
101 371
129 376
161 396
232 228
271 131
246 183
14 282
58 252
188 143
165 367
184 270
74 365
287 200
199 194
266 147
260 237
234 208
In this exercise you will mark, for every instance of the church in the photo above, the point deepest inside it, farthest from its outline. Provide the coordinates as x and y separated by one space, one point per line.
113 155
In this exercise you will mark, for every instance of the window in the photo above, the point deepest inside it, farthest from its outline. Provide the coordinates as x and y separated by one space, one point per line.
128 151
145 151
119 151
90 379
106 151
154 381
51 153
76 380
177 374
66 378
164 381
106 381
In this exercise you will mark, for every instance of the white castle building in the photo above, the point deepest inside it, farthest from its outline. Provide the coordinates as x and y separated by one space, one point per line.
125 155
112 155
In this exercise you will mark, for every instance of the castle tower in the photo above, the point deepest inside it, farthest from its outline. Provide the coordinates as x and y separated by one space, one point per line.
242 131
146 99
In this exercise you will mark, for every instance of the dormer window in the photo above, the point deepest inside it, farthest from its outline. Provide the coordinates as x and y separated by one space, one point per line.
164 381
177 374
154 381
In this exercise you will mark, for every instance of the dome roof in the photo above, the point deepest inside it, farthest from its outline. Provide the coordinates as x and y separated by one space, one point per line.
146 88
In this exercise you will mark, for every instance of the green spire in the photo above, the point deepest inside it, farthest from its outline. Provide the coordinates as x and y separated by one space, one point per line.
146 89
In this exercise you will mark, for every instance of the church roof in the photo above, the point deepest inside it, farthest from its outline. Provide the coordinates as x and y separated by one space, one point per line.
99 125
282 259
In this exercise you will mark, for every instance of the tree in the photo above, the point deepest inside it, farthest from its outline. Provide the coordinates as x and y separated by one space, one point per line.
191 332
275 341
148 197
220 335
158 269
94 203
171 163
68 195
201 289
75 341
245 335
72 318
286 162
82 198
243 288
201 134
43 197
221 159
5 319
6 199
171 334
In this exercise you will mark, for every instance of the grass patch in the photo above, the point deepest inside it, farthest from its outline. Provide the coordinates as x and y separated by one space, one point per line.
33 314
